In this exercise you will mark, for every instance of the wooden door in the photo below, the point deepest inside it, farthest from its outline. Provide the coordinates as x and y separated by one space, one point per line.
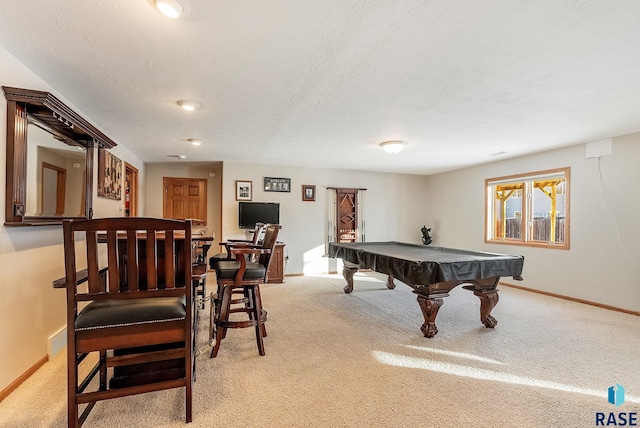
347 219
185 198
130 191
53 187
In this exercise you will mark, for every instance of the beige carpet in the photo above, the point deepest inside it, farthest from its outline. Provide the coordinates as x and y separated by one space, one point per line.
360 360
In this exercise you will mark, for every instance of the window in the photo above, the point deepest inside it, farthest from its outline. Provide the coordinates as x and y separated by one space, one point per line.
529 209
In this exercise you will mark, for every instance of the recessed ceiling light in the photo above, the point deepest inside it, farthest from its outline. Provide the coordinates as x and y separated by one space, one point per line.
195 141
170 8
188 105
394 146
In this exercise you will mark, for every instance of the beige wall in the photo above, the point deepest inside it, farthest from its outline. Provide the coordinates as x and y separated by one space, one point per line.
32 257
394 204
603 262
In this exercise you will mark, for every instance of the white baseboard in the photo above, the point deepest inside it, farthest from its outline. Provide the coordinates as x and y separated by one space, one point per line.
56 342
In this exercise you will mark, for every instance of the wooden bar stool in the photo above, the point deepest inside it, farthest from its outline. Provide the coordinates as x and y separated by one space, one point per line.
242 276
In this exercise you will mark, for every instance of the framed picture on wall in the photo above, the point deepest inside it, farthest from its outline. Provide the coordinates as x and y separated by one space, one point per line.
273 184
308 192
109 175
243 190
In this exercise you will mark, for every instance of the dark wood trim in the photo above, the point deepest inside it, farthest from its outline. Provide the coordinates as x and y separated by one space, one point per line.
24 376
66 121
15 197
573 299
345 188
67 126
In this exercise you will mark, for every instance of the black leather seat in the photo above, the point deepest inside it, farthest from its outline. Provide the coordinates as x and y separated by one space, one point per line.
110 314
229 270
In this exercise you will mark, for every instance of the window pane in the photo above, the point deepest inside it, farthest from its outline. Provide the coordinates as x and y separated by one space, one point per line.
548 211
508 211
529 209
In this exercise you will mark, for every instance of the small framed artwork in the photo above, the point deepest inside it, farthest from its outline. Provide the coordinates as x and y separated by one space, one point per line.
109 175
308 192
243 190
272 184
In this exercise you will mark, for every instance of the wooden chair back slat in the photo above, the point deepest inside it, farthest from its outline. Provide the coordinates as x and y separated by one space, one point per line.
169 257
132 265
113 261
152 265
92 262
269 242
132 261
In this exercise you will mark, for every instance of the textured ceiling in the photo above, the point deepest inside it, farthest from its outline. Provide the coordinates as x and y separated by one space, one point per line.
322 83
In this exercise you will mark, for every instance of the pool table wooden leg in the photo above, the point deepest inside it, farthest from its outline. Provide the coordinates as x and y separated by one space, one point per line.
348 276
390 283
429 306
488 300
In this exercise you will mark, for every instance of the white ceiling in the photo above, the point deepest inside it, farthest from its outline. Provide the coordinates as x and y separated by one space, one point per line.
321 83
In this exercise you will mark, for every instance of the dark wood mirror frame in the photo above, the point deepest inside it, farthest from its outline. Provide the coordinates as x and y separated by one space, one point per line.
66 126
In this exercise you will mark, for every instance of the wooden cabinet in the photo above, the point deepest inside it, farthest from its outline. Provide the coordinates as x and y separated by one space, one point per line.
276 269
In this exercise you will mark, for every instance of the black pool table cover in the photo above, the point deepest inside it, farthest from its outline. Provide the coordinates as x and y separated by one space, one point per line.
417 265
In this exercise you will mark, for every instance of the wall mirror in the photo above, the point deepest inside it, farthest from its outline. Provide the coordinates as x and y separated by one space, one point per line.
56 181
50 160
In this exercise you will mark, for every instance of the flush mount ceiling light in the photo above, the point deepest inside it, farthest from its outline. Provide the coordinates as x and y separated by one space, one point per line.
189 105
195 141
394 146
170 8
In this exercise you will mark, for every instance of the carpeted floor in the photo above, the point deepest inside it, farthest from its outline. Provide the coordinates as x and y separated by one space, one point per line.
360 360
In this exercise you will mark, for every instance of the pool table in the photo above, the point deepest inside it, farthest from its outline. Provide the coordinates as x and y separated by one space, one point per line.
432 272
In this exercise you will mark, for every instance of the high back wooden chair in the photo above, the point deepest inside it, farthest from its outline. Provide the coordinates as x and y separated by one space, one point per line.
257 233
136 315
243 276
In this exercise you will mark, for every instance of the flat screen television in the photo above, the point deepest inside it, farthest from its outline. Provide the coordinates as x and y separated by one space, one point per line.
250 213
